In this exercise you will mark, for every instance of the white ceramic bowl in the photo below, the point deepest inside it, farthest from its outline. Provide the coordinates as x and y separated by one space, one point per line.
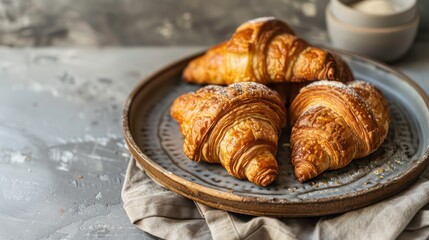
405 11
385 44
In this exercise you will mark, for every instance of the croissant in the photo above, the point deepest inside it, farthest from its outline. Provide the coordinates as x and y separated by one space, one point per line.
236 126
265 50
334 123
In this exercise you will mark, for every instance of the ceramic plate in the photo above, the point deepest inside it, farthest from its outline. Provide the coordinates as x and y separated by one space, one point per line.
155 142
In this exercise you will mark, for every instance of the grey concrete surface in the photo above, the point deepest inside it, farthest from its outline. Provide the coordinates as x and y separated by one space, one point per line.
150 22
62 154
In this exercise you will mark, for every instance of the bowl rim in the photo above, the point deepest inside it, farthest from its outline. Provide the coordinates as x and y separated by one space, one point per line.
359 18
376 30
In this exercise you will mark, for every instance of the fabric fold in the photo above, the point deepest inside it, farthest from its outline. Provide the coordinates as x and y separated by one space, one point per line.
168 215
159 211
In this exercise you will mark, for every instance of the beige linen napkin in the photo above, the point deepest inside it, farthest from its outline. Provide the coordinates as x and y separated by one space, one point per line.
167 215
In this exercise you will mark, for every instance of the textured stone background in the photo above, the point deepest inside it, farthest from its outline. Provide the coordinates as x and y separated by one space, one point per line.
152 22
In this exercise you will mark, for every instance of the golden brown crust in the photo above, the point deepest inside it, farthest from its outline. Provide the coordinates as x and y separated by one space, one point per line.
207 67
266 51
334 123
237 126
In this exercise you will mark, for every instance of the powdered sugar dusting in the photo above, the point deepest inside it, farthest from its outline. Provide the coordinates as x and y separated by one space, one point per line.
237 89
261 19
328 83
335 84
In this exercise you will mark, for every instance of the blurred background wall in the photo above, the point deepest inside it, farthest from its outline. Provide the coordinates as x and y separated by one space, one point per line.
71 23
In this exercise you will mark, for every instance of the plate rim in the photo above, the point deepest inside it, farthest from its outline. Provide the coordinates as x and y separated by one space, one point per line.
258 206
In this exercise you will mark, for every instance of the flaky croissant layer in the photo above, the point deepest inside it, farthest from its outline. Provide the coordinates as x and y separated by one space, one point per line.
334 123
266 51
236 126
